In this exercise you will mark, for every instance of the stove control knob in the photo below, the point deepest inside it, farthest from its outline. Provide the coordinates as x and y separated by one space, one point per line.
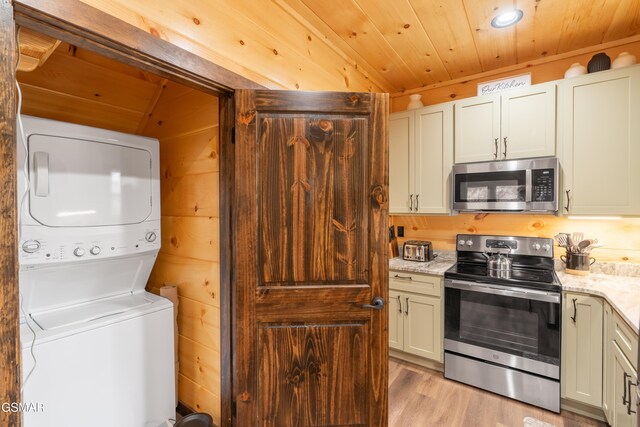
78 252
461 242
546 247
31 246
536 246
95 250
469 243
150 236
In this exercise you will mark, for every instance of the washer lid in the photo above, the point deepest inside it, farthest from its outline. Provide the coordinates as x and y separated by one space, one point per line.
80 182
89 312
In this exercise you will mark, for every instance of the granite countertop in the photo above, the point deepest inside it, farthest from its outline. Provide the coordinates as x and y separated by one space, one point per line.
619 283
438 266
622 292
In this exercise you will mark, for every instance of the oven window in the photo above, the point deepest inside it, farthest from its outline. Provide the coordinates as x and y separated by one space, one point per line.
517 326
507 186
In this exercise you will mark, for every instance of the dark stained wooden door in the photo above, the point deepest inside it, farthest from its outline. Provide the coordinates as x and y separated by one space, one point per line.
310 221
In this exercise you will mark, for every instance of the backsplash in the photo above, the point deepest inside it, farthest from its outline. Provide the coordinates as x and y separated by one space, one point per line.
621 238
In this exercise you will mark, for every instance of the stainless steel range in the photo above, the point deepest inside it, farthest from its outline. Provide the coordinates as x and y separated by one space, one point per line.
502 318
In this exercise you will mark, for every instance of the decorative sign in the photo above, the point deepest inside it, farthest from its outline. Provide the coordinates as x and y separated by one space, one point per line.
495 86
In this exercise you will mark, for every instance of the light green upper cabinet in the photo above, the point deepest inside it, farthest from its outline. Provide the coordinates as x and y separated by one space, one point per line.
515 124
420 160
401 145
599 142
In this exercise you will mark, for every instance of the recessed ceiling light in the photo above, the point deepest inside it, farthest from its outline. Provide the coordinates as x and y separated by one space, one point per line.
506 19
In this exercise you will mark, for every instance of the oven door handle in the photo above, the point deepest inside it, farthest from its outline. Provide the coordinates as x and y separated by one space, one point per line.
504 291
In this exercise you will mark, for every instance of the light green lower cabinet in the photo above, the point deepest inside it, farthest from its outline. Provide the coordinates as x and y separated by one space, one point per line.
582 348
620 373
415 315
396 320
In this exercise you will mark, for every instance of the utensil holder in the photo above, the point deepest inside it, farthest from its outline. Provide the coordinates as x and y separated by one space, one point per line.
577 263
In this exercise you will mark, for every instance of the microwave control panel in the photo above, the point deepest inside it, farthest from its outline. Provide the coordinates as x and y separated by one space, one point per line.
543 185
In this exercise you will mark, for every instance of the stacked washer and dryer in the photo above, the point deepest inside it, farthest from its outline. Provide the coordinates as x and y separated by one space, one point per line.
97 349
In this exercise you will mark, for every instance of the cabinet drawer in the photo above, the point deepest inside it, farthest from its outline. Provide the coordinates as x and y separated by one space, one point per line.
424 284
626 339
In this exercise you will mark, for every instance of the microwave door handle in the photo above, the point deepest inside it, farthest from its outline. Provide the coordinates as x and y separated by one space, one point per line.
528 197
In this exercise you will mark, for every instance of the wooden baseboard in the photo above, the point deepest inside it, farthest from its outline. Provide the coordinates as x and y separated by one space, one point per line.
582 409
416 360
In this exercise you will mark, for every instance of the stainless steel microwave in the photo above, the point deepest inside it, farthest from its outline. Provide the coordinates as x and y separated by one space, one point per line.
524 185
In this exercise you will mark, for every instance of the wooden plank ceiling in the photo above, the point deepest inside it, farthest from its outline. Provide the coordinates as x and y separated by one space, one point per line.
415 43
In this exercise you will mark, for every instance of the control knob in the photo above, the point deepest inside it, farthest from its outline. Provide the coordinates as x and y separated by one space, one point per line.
78 252
536 246
150 236
95 250
461 242
31 246
469 243
546 247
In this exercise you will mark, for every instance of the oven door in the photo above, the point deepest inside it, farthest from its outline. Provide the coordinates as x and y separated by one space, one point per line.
514 327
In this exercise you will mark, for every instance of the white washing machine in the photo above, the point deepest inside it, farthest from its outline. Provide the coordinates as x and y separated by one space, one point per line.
97 349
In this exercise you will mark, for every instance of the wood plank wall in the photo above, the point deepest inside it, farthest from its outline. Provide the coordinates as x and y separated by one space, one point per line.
186 123
620 237
77 86
269 44
543 70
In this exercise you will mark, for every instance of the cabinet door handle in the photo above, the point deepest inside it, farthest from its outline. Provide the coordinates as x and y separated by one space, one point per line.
575 310
411 203
568 201
505 147
625 388
495 152
417 201
399 304
397 276
626 397
629 384
406 309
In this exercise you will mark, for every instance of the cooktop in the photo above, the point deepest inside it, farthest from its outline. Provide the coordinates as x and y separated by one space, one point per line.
517 276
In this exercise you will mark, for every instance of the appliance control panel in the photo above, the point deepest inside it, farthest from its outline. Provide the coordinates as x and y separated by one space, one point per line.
543 185
46 245
514 245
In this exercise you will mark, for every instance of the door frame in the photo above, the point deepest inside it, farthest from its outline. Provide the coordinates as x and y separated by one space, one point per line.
85 26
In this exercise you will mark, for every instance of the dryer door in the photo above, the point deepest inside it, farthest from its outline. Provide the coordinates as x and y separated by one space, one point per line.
77 182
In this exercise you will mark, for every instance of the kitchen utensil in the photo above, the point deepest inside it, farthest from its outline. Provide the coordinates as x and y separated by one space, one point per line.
393 243
576 263
585 244
561 239
577 237
589 248
570 245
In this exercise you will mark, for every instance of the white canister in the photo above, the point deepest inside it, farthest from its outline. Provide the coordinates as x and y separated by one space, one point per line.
576 69
414 102
623 60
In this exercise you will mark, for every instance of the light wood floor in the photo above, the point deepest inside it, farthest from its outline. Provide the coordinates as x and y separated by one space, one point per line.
420 397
